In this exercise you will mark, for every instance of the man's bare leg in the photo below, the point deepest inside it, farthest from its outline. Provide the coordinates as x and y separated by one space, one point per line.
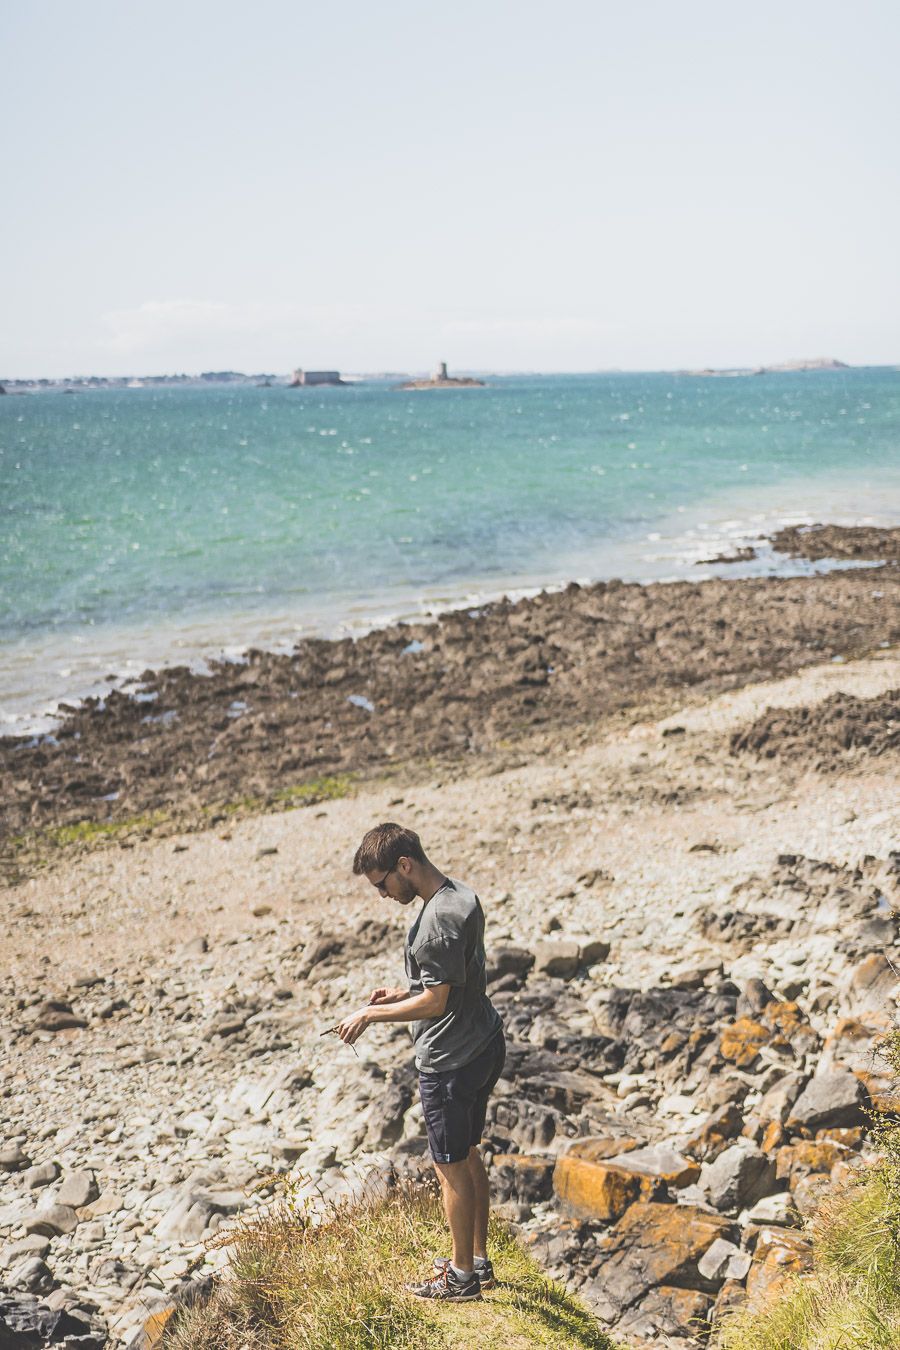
482 1190
458 1192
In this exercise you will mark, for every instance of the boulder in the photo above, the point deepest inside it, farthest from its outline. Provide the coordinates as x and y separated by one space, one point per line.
853 1044
78 1189
600 1190
593 950
13 1158
652 1246
713 1135
730 1297
597 1147
872 984
778 1255
754 996
778 1208
793 1161
557 957
739 1176
781 1027
521 1177
778 1100
669 1312
508 960
832 1098
658 1161
52 1220
723 1260
42 1174
35 1244
56 1015
26 1322
31 1275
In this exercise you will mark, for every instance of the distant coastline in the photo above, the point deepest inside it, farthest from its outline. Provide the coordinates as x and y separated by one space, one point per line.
409 380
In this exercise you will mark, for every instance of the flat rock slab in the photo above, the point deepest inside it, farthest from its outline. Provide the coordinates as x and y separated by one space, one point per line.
654 1245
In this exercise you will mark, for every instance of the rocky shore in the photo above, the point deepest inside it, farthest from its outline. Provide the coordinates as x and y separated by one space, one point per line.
690 889
179 745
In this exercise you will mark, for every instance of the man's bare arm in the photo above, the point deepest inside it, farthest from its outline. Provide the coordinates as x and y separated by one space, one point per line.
432 1002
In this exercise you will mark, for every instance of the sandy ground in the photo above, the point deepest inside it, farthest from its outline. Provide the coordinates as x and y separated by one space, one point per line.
632 806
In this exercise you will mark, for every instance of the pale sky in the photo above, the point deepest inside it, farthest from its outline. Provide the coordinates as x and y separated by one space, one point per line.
569 186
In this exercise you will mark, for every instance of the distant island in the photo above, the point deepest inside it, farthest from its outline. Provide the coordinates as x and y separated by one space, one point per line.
441 380
782 367
816 363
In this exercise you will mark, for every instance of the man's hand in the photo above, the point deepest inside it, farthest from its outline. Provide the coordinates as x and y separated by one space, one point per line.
387 995
353 1026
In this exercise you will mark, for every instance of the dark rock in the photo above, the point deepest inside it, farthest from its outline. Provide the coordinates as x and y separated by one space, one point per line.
824 735
508 960
55 1015
27 1324
522 1177
835 1098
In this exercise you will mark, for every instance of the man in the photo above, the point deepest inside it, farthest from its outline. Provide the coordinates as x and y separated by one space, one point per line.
458 1037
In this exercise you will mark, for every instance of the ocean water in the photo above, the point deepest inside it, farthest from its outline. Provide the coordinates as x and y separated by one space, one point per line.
140 526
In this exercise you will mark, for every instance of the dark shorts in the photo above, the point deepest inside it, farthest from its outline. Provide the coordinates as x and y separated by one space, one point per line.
455 1102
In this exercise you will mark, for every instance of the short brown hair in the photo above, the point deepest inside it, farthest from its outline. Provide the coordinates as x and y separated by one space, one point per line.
384 845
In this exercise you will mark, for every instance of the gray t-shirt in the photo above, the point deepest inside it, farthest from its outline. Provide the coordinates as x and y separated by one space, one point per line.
446 946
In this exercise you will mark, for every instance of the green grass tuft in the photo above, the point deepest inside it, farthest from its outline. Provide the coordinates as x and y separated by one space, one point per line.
295 1285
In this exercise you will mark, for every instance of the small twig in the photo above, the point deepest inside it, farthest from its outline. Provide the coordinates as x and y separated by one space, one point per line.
333 1031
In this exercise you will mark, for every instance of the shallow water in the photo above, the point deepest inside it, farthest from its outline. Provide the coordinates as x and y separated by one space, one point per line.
144 525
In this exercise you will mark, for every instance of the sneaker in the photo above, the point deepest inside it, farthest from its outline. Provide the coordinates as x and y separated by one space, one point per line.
483 1269
447 1286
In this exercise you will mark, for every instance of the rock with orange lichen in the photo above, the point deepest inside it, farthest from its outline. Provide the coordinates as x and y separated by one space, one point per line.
797 1160
853 1044
600 1190
653 1246
715 1132
781 1026
779 1254
668 1311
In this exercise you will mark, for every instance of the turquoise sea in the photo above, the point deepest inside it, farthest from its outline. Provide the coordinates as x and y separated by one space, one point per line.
139 526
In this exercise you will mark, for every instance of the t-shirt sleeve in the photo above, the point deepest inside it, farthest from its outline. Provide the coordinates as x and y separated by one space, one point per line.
442 960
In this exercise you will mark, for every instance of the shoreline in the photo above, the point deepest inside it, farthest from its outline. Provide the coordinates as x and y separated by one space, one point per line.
196 643
294 727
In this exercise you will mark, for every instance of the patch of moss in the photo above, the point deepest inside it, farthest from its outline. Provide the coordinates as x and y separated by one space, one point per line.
92 831
324 789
